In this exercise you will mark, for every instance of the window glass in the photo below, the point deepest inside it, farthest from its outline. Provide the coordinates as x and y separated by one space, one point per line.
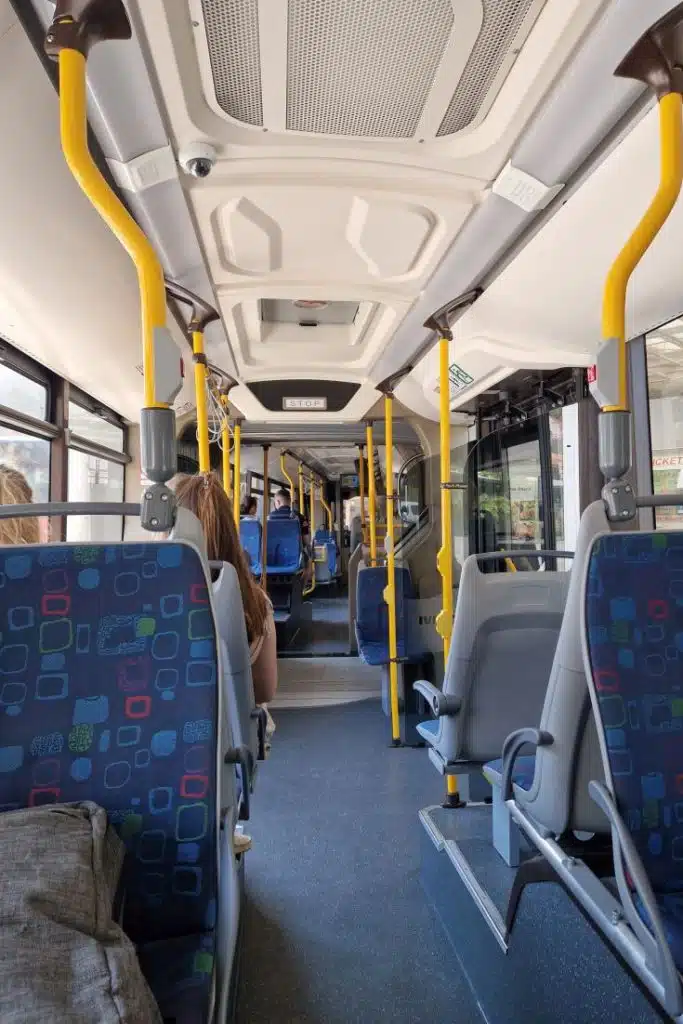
31 456
93 479
22 394
665 383
87 425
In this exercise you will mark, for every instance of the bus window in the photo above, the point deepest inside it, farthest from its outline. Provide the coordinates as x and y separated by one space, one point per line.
665 384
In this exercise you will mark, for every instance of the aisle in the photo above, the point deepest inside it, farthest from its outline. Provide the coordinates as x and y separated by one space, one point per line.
337 928
328 633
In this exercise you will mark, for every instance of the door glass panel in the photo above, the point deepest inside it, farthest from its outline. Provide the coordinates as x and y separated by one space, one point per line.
557 475
665 384
525 510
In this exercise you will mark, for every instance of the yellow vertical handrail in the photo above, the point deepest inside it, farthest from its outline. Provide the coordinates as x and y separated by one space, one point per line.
328 510
444 558
225 445
74 136
390 590
311 522
292 489
372 494
302 495
361 490
200 400
236 487
264 517
671 177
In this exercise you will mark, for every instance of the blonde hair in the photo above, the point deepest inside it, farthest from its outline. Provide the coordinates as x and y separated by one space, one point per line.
15 490
204 496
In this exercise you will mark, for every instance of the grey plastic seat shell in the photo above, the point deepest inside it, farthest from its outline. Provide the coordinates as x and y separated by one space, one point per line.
238 686
558 799
505 631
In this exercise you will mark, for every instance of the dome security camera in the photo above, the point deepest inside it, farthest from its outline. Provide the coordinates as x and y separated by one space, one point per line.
198 159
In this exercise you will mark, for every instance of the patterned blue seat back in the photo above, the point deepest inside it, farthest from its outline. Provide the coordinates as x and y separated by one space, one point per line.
634 638
108 692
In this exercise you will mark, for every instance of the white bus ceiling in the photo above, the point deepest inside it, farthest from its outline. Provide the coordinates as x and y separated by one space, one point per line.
388 217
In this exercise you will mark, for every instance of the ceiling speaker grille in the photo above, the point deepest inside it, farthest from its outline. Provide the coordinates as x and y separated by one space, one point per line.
503 19
363 67
232 35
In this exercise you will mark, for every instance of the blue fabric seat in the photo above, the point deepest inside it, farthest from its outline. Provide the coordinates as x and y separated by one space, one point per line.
284 549
522 773
634 638
251 537
372 623
109 692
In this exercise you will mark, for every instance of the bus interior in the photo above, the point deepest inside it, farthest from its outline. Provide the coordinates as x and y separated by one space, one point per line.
404 276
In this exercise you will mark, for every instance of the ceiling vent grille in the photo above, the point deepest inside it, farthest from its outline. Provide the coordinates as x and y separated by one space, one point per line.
363 69
496 47
233 39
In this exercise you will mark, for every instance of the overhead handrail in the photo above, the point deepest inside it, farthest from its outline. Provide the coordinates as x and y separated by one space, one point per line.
75 28
372 491
656 61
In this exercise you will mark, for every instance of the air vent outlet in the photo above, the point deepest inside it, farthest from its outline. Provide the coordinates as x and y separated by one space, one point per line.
233 37
496 47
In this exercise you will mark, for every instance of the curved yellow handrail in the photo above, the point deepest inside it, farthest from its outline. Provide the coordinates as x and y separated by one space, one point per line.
74 136
292 488
671 177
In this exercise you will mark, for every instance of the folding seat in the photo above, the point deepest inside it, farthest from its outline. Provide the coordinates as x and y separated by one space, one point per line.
505 632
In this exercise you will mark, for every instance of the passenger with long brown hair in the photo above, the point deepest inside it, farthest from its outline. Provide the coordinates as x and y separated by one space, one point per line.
15 490
203 495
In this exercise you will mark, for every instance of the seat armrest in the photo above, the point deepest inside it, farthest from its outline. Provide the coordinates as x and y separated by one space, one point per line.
259 714
439 703
241 756
511 748
653 938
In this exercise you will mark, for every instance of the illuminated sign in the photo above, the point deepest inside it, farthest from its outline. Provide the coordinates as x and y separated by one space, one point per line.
304 404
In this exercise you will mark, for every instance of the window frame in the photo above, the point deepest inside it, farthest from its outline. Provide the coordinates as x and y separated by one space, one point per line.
55 427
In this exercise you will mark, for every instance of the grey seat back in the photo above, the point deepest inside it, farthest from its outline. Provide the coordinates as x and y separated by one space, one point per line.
235 659
558 798
355 563
505 632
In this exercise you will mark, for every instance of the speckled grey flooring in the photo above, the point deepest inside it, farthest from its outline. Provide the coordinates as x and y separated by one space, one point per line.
337 927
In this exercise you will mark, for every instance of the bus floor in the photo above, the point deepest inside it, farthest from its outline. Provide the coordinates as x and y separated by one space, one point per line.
337 926
328 632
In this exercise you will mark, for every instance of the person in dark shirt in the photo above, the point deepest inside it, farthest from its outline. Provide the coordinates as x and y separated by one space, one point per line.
283 510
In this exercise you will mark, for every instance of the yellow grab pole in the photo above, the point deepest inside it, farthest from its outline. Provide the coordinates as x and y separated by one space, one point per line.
287 477
671 177
236 487
264 517
311 522
74 135
328 509
390 590
225 445
372 494
444 559
361 489
302 496
200 399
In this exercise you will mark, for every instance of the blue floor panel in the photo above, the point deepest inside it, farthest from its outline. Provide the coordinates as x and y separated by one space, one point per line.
337 928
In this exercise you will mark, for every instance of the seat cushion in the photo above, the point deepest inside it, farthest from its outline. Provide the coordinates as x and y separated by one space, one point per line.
522 775
429 730
179 972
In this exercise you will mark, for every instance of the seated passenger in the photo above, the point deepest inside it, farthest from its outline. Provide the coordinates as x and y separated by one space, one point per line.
249 508
203 495
283 510
15 490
